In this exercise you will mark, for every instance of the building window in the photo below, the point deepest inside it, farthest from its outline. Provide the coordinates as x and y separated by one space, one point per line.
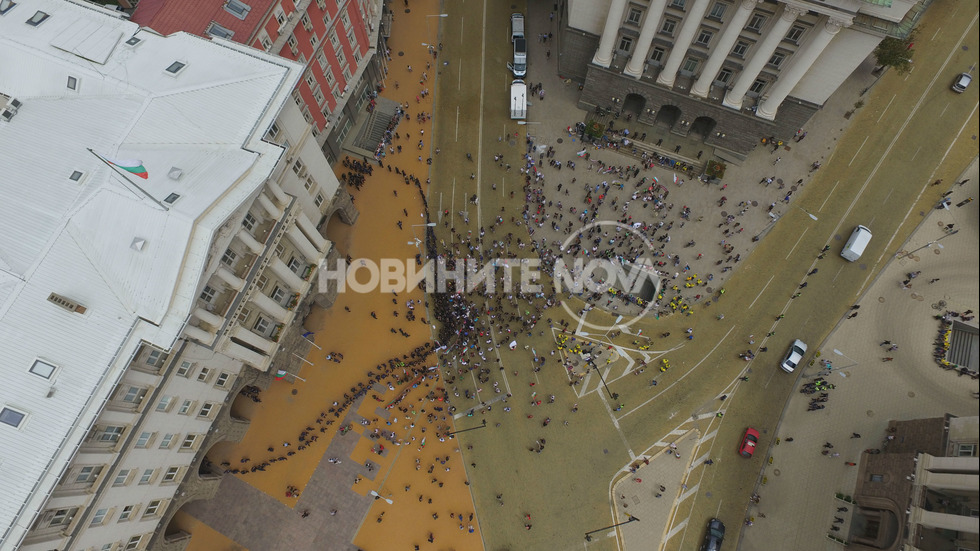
292 43
718 11
777 59
175 68
795 33
165 403
37 18
185 407
152 508
278 294
87 475
185 369
266 42
704 37
740 48
215 30
625 43
668 26
127 513
966 450
345 19
328 75
725 75
204 375
111 434
228 259
237 8
334 41
346 72
318 200
679 4
690 64
280 17
144 440
262 325
62 517
207 294
756 22
99 517
42 368
249 222
134 395
155 358
122 477
6 6
308 184
342 61
190 441
657 56
72 83
222 379
318 96
206 410
134 543
634 16
171 474
352 39
147 477
167 441
877 478
758 86
357 57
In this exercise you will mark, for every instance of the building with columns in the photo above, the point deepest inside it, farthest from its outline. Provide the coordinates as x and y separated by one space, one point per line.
163 199
920 490
727 72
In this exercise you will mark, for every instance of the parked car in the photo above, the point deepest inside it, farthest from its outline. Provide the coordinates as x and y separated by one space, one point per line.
793 356
714 535
961 82
749 441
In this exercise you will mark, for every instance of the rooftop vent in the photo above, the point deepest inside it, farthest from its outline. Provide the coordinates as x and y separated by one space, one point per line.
134 41
67 304
172 198
38 18
138 244
175 173
176 67
76 176
6 114
6 5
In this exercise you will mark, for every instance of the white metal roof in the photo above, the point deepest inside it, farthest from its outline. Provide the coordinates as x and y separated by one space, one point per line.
76 237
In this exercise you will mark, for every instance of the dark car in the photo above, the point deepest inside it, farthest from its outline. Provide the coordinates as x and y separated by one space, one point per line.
749 442
714 535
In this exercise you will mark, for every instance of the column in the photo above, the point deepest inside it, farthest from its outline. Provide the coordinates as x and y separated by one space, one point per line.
723 47
230 278
309 229
690 26
803 60
213 320
603 56
283 272
247 355
302 243
650 25
269 206
250 241
763 51
277 192
270 307
253 339
198 334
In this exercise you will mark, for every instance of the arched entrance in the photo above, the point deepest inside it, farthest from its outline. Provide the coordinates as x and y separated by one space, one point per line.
668 116
634 103
703 126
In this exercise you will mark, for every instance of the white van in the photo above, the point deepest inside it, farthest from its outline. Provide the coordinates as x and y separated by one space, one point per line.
855 245
518 100
516 26
519 67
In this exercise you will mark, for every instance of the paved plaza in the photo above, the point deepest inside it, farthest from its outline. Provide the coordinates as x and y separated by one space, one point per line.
554 449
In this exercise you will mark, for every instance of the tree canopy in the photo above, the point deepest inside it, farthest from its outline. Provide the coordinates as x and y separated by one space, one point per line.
897 53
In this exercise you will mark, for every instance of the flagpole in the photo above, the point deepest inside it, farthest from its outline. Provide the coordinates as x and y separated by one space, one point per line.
134 184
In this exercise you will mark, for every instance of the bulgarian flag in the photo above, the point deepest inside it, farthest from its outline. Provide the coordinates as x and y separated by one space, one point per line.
133 166
281 374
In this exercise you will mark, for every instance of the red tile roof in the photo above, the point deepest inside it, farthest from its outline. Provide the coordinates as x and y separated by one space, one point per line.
170 16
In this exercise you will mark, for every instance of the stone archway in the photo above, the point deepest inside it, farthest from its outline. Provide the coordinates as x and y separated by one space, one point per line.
634 103
703 126
668 116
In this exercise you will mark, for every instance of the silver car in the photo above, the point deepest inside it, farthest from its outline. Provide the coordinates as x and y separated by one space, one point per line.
961 82
793 356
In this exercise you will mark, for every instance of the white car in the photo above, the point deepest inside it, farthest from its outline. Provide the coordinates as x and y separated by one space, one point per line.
793 356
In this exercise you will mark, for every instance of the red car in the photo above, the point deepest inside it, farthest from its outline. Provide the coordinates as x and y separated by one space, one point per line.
749 442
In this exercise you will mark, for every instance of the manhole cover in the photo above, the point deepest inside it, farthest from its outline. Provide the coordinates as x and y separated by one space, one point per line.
605 451
559 140
755 203
295 391
881 300
779 180
401 54
776 472
870 413
792 188
911 394
936 251
512 143
724 213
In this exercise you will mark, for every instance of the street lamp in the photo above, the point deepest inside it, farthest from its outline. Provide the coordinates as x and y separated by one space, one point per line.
613 395
841 354
808 213
523 123
427 22
588 535
482 426
378 496
930 244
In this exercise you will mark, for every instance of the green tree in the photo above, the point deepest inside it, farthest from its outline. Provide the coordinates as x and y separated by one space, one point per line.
897 52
